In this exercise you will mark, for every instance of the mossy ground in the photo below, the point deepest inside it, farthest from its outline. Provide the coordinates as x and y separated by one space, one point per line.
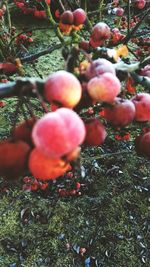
110 218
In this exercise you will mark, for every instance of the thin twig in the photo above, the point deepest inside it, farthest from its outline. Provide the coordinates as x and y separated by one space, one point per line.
128 37
128 16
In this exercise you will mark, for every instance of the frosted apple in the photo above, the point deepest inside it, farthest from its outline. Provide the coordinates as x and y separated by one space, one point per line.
44 168
104 88
118 11
98 67
79 16
63 88
140 4
58 133
67 17
121 113
100 33
95 132
142 106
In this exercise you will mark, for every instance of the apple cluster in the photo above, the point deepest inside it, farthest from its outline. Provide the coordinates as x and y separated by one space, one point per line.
72 20
46 146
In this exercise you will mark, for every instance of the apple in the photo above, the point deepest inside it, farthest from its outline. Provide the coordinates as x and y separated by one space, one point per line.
63 88
118 11
143 144
23 131
121 113
79 16
104 88
84 45
142 106
140 4
67 17
58 133
13 158
98 67
44 168
100 33
95 132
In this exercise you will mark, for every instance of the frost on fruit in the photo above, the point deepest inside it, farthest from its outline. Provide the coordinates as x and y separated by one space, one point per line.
104 88
63 88
58 133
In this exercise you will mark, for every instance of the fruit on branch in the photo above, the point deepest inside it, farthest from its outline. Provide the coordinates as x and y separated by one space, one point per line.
13 158
58 133
142 144
63 88
98 67
145 71
8 68
100 33
104 88
121 113
44 168
118 11
72 20
142 106
95 132
116 36
67 17
23 131
79 16
140 4
85 46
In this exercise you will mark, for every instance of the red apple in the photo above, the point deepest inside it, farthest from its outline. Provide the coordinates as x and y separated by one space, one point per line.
140 4
118 11
63 88
121 113
98 67
58 133
104 88
143 146
85 46
67 17
100 33
13 158
44 168
79 16
142 106
95 132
